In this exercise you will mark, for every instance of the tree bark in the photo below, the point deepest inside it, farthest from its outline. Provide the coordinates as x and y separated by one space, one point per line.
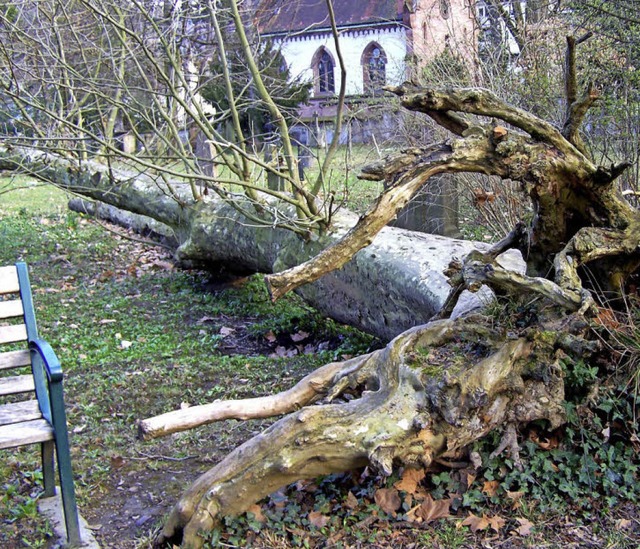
393 285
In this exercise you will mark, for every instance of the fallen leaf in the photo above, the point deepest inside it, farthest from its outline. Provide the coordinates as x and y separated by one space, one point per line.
205 319
476 460
299 336
607 318
525 527
117 462
497 523
107 321
318 519
476 523
430 509
256 511
515 497
270 337
226 331
471 478
352 501
166 265
410 480
306 485
388 500
624 524
490 488
125 344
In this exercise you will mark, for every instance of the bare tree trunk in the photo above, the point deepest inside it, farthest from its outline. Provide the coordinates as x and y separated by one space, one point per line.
394 284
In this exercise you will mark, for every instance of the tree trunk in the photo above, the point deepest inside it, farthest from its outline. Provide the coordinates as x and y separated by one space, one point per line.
396 283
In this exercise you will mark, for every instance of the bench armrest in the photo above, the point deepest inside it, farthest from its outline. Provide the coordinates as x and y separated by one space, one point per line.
49 359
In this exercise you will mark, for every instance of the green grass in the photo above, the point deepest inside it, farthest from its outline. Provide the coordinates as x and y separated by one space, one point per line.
137 339
21 193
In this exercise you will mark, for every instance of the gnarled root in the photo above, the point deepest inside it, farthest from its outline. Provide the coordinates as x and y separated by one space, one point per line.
429 393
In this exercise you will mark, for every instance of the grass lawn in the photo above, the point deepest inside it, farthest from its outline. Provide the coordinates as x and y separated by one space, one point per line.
137 337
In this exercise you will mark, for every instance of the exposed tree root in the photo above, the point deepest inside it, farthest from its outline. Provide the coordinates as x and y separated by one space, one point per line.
306 391
429 394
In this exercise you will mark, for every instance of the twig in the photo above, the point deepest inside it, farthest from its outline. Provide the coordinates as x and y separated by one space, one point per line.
165 458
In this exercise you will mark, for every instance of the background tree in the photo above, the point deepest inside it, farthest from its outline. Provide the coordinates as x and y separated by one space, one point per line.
255 118
78 73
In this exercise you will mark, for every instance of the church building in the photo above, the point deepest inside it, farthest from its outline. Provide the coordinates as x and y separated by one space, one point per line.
382 42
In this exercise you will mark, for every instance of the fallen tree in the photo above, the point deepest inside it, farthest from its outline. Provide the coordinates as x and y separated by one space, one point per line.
394 284
435 388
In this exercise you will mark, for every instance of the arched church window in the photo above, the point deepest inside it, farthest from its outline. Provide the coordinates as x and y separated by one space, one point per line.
374 68
323 70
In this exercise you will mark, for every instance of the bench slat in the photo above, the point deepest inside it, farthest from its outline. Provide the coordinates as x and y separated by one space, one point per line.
9 309
17 412
27 432
9 280
11 334
15 359
13 385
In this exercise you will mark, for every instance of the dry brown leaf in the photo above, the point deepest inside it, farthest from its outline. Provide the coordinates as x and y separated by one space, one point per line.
256 511
306 485
624 524
471 478
388 500
525 527
607 319
430 509
205 319
281 351
410 480
490 488
299 336
117 462
476 523
270 337
515 497
497 523
226 331
318 519
352 501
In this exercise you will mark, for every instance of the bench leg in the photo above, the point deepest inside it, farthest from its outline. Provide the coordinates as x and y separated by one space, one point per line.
64 464
46 449
67 489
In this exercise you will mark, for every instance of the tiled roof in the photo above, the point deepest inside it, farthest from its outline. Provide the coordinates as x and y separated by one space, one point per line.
278 16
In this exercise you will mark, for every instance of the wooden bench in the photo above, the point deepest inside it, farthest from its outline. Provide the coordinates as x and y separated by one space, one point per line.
28 365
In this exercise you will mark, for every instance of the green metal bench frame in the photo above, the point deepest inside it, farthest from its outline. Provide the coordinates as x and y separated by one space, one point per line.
46 424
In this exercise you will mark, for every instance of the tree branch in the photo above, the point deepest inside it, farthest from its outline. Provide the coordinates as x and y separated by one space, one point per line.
577 108
307 390
480 102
